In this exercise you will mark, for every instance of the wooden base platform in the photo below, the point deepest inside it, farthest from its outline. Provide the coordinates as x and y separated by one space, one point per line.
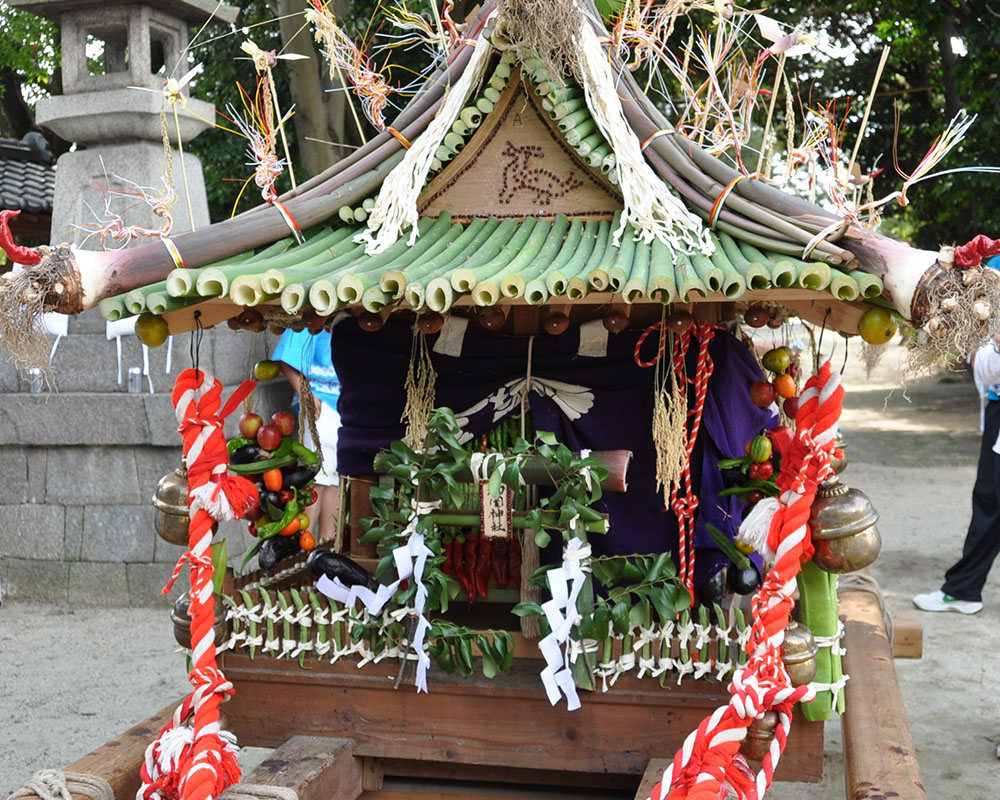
504 728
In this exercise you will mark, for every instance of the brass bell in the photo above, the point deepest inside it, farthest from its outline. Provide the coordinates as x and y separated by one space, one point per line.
798 652
842 521
759 736
839 464
182 621
171 502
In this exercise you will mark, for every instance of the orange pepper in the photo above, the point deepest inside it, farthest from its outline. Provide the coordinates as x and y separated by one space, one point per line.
273 480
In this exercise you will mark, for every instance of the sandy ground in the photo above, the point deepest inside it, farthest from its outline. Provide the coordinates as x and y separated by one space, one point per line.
72 679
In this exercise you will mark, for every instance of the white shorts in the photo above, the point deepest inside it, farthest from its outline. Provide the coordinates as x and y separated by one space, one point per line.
327 428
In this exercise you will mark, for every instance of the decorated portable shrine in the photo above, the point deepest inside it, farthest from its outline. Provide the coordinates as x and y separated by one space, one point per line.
581 503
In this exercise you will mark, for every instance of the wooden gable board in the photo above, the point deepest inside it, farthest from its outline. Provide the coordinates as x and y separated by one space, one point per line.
517 165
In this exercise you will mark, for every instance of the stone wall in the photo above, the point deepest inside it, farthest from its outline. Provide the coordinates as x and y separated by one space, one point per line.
79 466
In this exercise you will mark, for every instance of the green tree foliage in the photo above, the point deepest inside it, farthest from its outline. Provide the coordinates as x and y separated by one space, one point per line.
927 79
29 61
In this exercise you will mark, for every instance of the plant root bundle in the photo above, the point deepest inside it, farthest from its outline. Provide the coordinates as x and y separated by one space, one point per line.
963 314
23 300
545 29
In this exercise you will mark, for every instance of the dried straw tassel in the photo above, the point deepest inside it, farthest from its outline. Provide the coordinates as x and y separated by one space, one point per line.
669 427
420 378
307 416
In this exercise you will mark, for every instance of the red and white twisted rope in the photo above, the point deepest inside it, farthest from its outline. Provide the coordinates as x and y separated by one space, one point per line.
706 767
200 764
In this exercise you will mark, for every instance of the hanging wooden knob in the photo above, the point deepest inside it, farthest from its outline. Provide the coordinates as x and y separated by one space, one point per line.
369 321
251 319
430 322
679 321
556 323
313 321
616 321
756 316
492 318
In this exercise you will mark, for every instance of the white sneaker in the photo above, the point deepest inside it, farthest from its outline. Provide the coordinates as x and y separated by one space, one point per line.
939 601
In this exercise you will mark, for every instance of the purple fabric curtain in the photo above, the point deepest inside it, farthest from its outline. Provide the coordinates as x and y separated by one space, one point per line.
600 403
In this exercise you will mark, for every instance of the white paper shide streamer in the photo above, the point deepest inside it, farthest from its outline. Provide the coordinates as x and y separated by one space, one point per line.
410 560
396 204
565 584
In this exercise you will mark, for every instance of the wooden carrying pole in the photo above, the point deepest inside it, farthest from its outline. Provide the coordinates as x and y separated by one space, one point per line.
878 746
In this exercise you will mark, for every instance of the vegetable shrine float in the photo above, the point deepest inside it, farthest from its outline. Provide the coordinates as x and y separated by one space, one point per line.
577 496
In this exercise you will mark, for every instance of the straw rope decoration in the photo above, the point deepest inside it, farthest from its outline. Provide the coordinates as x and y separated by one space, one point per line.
650 206
396 205
708 763
197 762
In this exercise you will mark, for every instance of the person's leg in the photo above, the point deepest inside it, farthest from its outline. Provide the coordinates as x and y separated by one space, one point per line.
965 580
325 510
323 513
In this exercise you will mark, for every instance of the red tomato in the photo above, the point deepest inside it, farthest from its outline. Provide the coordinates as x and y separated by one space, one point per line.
306 540
764 471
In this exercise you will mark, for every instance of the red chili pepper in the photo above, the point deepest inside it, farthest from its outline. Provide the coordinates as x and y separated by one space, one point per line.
500 559
483 566
458 561
447 547
15 252
471 563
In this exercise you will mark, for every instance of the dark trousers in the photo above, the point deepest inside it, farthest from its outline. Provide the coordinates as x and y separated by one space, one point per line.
966 579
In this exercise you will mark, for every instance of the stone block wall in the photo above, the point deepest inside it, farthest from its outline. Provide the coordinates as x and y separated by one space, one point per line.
78 468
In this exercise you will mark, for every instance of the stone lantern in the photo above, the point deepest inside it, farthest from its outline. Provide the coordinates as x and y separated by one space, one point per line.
117 128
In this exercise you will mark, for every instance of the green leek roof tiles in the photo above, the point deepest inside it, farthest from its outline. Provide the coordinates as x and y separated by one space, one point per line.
539 260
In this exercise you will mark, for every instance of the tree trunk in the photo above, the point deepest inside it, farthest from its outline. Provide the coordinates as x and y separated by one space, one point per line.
320 114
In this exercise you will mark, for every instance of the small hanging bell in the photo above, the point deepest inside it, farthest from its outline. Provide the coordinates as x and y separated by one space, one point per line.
842 521
839 464
759 736
798 652
171 502
182 621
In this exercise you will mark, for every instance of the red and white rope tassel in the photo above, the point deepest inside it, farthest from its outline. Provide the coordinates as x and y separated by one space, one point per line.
197 762
708 766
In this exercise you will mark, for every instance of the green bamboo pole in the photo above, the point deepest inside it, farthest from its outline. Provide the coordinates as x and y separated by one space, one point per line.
635 287
393 281
687 280
661 285
578 285
818 612
473 237
599 276
783 274
595 234
756 275
486 292
463 278
843 286
710 274
161 302
575 135
733 284
813 275
870 285
135 301
273 281
621 269
112 308
556 251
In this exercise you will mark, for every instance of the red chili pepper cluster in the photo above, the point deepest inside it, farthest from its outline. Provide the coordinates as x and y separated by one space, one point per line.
472 559
15 252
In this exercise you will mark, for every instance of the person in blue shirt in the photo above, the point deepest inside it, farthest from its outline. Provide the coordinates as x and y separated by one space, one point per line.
303 353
